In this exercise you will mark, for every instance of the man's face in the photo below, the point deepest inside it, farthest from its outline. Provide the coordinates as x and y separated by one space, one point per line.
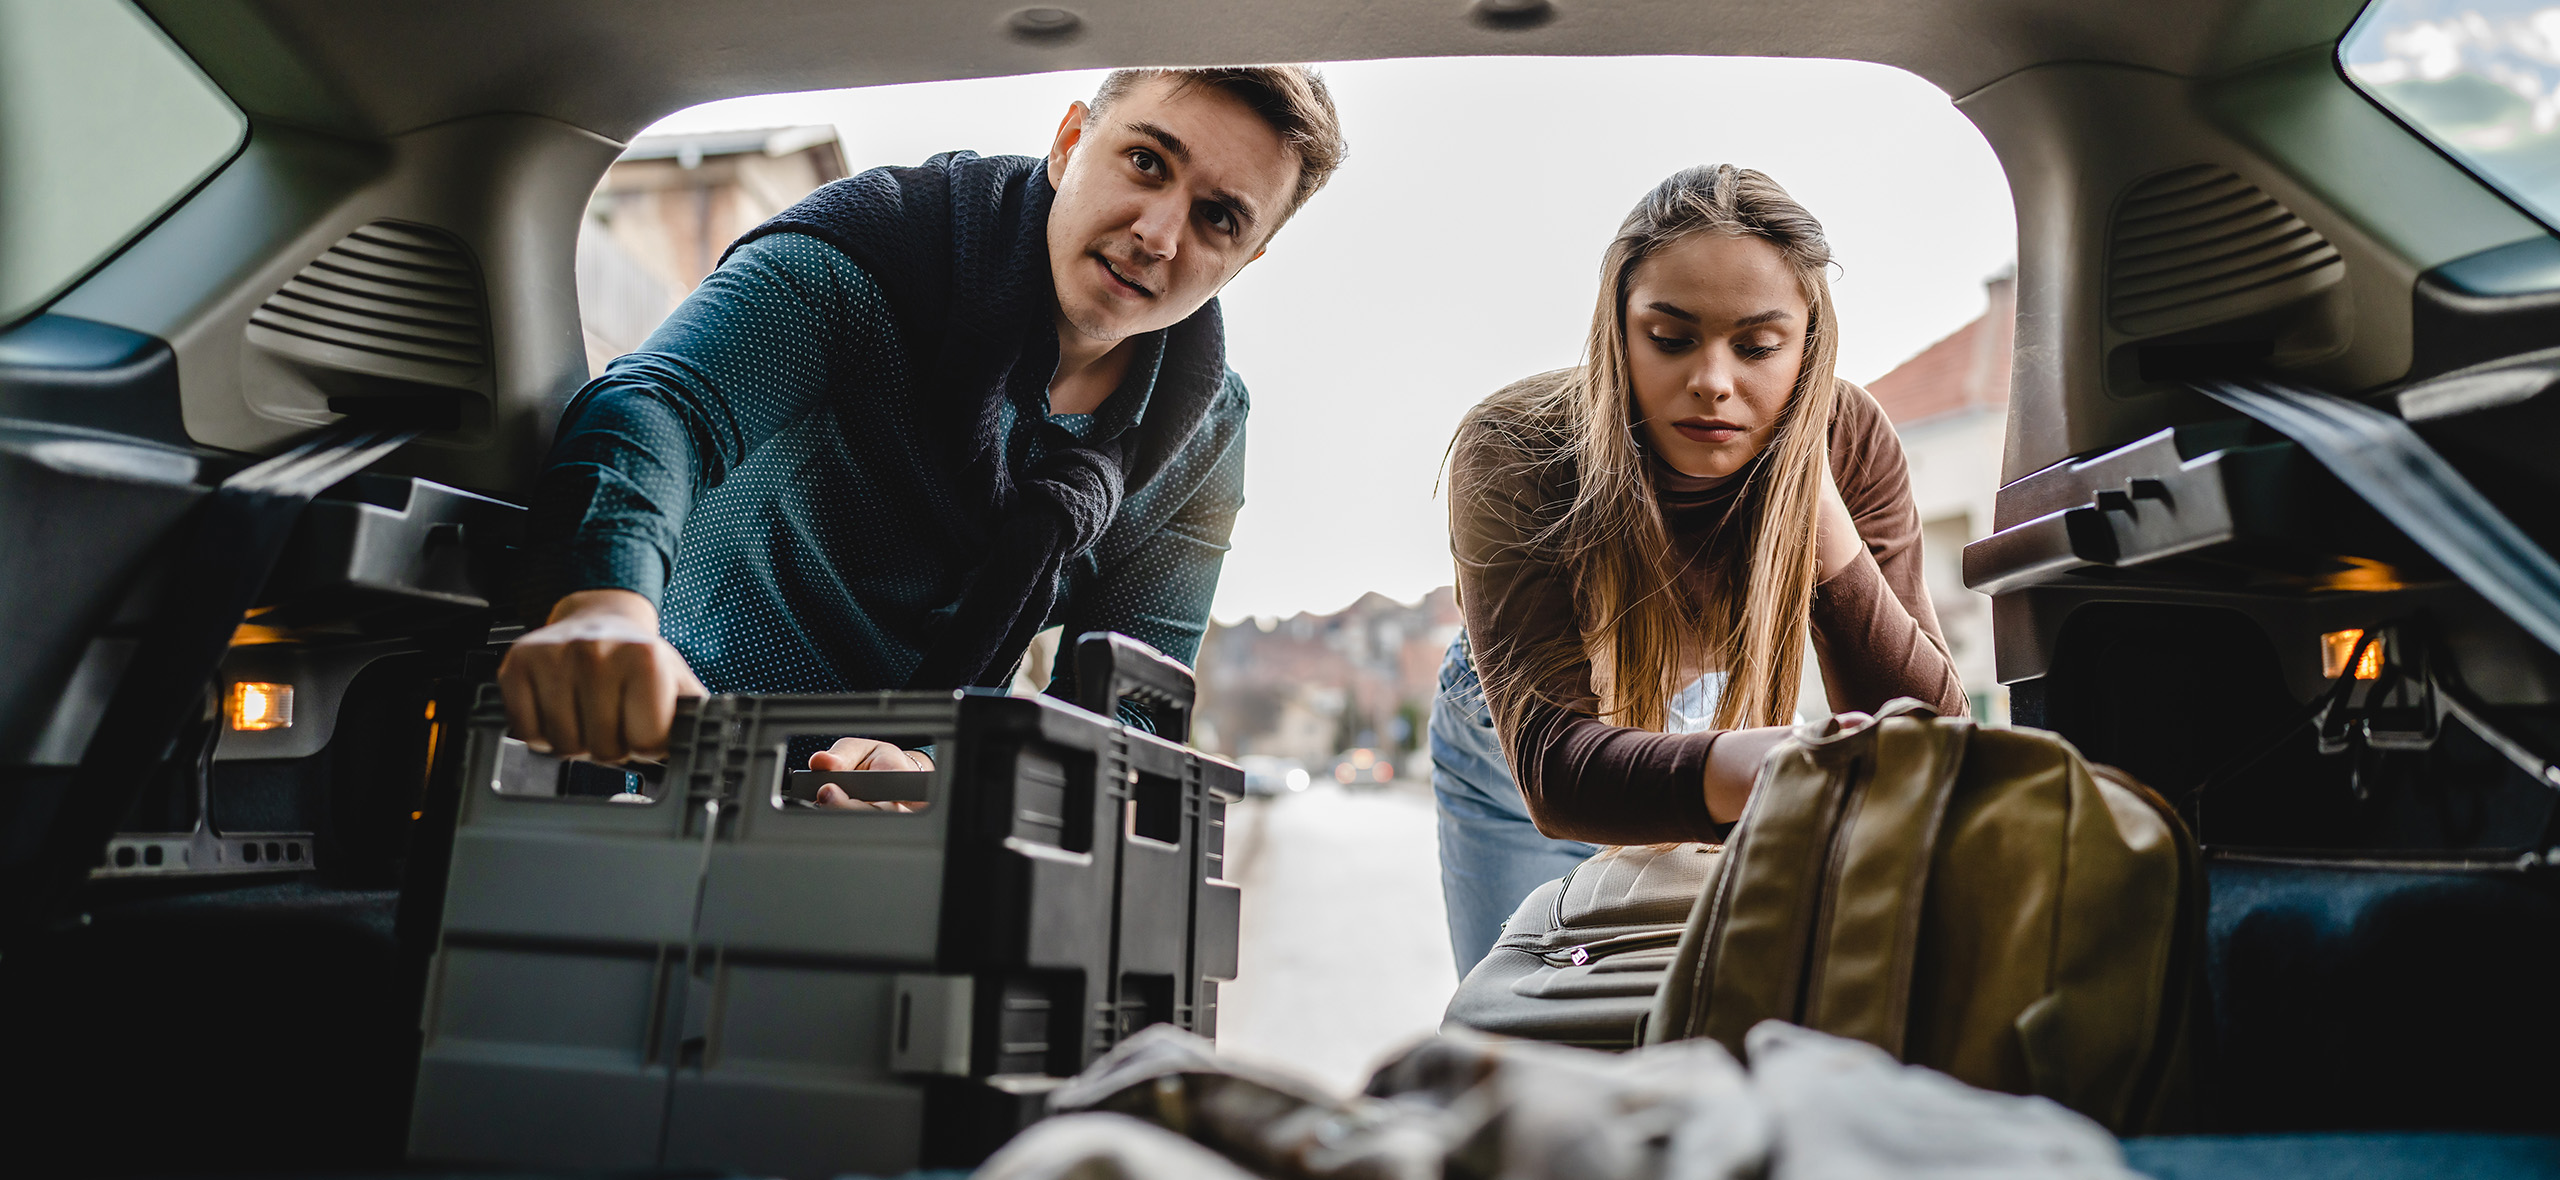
1160 202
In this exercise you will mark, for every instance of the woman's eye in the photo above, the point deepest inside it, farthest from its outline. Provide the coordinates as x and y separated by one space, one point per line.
1756 351
1669 343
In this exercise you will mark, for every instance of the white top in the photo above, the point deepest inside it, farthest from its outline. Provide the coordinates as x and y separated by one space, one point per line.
1694 709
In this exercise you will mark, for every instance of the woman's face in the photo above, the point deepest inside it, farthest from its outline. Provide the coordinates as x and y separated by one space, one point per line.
1715 337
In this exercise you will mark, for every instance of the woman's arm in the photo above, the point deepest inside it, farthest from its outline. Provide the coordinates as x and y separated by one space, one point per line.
1874 629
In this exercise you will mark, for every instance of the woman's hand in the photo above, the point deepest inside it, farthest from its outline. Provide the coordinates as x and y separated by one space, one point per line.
1836 540
855 753
1733 764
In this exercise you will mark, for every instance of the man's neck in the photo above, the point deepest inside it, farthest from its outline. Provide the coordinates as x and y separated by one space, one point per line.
1088 370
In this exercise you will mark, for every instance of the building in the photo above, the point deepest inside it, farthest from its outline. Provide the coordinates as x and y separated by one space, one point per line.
668 208
1950 404
1310 686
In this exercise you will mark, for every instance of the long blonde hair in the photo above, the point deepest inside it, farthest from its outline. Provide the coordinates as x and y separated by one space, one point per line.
1639 627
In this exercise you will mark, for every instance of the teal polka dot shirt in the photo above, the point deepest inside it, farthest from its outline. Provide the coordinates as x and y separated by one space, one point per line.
732 472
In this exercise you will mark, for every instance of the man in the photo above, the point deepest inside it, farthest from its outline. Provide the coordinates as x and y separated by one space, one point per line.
919 416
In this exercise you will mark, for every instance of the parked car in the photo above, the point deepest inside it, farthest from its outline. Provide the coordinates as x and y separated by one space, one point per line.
1362 766
1265 774
2287 343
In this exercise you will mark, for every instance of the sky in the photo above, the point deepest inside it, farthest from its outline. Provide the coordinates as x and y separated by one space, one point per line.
1458 250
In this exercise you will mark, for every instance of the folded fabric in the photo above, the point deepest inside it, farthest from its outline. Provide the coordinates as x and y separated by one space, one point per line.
1465 1105
1844 1108
1105 1147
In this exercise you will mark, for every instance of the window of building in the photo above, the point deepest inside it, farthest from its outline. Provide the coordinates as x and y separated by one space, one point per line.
104 125
2480 79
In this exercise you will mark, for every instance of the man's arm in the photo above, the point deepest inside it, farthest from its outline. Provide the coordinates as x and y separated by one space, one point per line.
1160 594
750 351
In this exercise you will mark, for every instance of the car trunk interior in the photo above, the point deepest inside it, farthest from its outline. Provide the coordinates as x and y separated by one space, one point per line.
2169 576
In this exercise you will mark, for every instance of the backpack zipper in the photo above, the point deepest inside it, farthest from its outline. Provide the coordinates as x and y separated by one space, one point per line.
1809 981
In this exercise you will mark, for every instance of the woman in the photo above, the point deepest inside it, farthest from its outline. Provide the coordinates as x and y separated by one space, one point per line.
1645 543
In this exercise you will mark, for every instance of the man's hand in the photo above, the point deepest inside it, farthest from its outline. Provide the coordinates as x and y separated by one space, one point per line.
598 680
855 753
1836 539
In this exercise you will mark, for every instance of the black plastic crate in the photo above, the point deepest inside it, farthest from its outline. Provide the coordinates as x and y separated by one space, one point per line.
708 972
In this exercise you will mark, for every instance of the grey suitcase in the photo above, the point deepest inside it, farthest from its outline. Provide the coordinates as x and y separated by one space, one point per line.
703 971
1579 962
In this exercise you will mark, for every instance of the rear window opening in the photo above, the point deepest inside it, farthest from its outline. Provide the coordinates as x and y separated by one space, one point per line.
1447 258
1456 251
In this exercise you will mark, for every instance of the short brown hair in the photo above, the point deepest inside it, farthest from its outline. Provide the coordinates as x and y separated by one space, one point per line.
1292 99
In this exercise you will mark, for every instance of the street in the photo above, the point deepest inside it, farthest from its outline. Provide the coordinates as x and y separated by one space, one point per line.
1345 953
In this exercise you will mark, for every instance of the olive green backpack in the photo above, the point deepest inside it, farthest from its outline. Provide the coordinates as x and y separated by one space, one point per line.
1979 901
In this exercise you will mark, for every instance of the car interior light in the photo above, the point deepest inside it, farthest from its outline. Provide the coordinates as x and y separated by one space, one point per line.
256 705
2337 647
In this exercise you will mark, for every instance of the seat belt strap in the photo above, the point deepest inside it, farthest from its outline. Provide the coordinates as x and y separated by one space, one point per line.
2382 460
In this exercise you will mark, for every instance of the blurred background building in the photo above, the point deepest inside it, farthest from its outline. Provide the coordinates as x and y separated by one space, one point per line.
1950 404
1311 686
670 206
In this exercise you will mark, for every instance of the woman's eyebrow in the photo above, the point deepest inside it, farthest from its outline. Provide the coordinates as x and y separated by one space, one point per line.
1673 312
1770 316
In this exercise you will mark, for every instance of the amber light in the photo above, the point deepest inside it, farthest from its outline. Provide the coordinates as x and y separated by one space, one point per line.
256 705
2337 646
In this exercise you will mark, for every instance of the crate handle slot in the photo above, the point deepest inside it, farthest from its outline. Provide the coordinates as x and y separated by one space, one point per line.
1111 668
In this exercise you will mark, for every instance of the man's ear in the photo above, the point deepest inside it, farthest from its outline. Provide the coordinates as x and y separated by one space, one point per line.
1070 133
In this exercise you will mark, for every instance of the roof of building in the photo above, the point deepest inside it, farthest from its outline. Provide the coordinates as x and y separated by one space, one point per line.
1967 370
771 141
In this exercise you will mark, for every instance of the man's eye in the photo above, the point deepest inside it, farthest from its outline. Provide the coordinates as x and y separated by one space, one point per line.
1146 161
1669 343
1219 217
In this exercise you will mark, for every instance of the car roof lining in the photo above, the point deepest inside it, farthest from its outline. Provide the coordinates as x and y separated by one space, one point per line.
611 67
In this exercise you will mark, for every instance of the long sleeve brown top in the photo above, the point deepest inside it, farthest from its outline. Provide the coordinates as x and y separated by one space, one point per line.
1875 634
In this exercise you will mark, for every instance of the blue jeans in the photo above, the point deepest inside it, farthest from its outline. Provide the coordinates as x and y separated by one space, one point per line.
1491 855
